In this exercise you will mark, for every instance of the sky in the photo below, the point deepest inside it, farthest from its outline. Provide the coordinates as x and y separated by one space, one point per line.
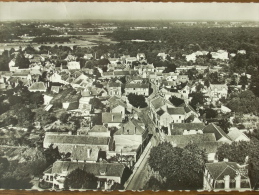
128 11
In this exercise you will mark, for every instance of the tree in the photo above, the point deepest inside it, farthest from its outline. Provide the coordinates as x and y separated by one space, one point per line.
154 185
244 102
96 103
210 113
137 100
176 101
183 167
36 98
224 124
64 117
51 155
197 99
21 61
25 117
80 179
44 117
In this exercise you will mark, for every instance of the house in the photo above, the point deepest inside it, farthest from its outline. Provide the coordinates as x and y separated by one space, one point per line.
107 173
66 143
112 119
81 81
117 105
37 86
131 138
88 154
162 56
220 54
226 176
138 89
114 88
70 58
99 131
236 135
206 142
88 56
186 128
141 56
217 91
73 65
220 135
190 57
113 60
183 140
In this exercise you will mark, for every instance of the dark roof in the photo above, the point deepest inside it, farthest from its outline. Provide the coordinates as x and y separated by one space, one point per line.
37 86
160 112
111 117
183 140
138 85
109 169
134 126
177 110
158 102
219 133
219 169
99 128
187 126
114 84
74 139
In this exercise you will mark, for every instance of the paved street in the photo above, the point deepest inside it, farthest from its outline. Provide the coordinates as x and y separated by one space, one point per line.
140 172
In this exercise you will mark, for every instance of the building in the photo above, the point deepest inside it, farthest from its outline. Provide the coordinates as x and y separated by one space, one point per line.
38 86
217 91
107 173
73 65
138 89
226 176
99 131
236 135
111 119
66 143
220 135
114 88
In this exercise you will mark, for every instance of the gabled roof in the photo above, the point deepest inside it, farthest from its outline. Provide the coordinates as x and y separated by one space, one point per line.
220 169
176 111
236 133
219 133
80 153
114 84
159 102
111 117
74 139
109 169
138 85
39 86
99 128
135 128
183 140
187 126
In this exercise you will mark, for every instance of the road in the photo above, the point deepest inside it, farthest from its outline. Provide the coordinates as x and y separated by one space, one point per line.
140 173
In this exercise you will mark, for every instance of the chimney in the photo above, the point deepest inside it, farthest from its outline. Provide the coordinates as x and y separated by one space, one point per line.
226 181
238 180
88 152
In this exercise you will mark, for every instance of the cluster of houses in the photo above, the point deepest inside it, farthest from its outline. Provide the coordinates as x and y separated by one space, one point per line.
218 55
123 130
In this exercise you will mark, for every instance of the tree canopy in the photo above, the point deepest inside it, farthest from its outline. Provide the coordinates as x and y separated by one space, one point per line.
137 100
183 167
80 179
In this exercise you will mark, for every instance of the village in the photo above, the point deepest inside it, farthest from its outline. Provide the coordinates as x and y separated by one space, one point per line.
106 121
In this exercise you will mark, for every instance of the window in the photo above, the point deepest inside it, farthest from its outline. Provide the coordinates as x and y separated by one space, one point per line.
179 117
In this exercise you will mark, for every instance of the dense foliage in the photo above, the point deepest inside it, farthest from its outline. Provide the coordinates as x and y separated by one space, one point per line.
137 101
183 167
80 179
